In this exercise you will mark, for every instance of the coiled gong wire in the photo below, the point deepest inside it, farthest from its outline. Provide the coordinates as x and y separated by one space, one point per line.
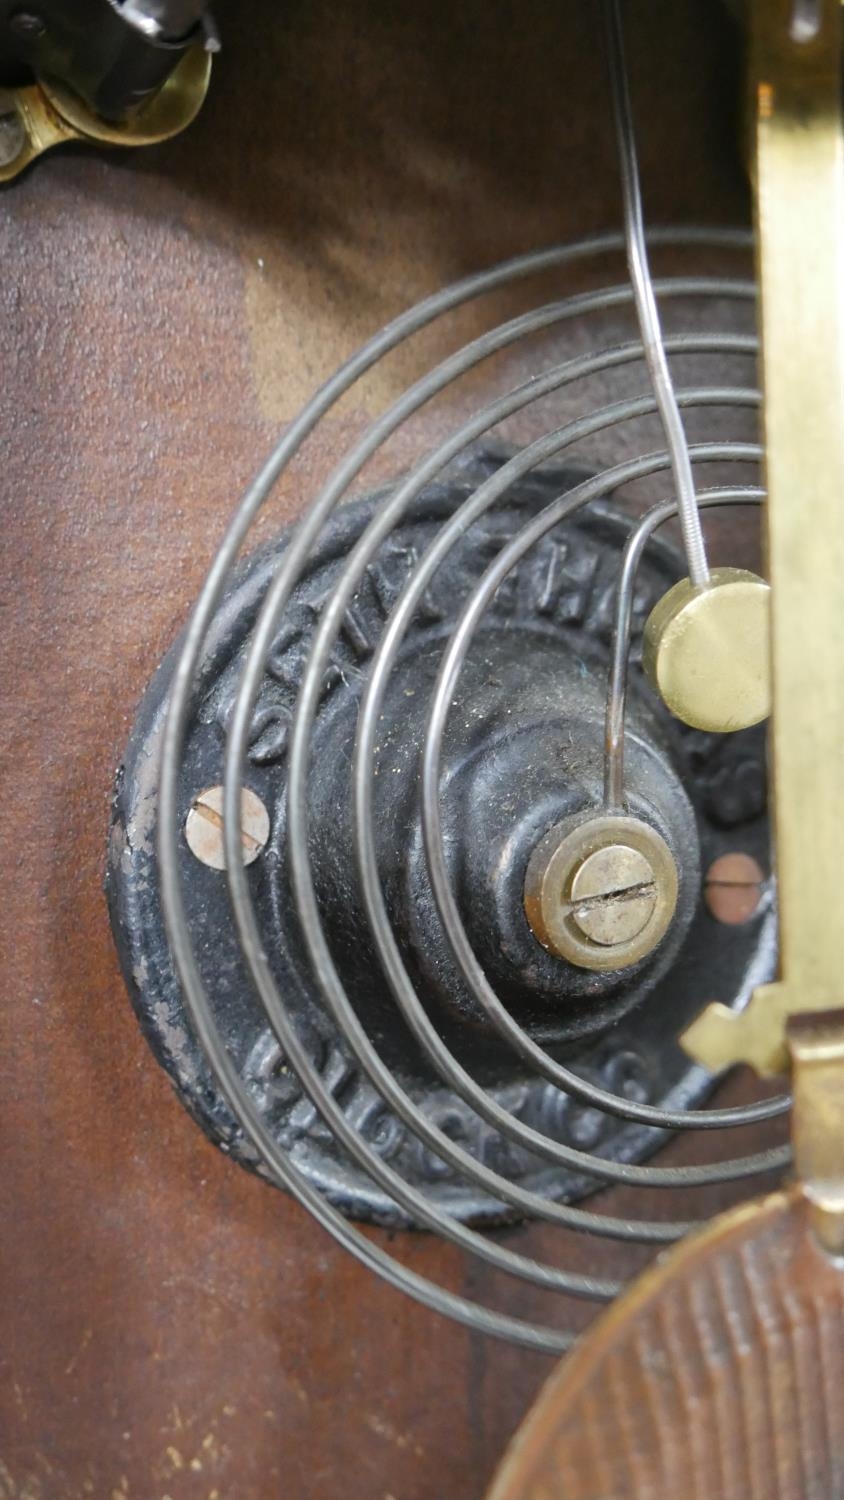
416 1203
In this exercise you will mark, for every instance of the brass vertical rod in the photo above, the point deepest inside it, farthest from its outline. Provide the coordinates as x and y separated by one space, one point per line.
799 170
800 247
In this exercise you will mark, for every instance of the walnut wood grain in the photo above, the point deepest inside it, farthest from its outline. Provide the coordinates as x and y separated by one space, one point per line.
718 1377
170 1326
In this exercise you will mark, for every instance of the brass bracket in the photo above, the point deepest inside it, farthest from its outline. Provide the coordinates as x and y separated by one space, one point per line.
799 171
41 115
816 1045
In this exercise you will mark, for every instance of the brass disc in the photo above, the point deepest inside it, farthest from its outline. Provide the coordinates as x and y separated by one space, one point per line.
706 651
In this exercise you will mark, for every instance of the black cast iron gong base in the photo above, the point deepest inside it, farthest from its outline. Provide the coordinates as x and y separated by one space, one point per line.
522 750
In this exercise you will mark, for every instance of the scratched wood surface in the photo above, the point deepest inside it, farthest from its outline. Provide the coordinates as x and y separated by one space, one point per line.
170 1327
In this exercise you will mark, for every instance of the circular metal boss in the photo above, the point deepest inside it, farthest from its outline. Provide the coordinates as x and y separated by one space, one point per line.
601 891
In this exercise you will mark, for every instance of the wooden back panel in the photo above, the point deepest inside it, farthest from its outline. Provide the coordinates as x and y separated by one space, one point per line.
170 1326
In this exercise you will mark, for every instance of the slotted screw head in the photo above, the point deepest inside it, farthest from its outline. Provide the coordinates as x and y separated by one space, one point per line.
613 895
204 827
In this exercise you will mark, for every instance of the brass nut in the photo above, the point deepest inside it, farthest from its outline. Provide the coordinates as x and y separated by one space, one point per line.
601 891
706 651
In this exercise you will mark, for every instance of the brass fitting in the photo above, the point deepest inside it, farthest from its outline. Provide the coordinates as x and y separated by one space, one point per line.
601 891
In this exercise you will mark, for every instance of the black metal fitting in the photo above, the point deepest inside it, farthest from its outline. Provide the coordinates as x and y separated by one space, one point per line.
113 53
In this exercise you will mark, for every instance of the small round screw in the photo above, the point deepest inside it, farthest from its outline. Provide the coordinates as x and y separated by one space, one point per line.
613 895
27 25
204 827
733 888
